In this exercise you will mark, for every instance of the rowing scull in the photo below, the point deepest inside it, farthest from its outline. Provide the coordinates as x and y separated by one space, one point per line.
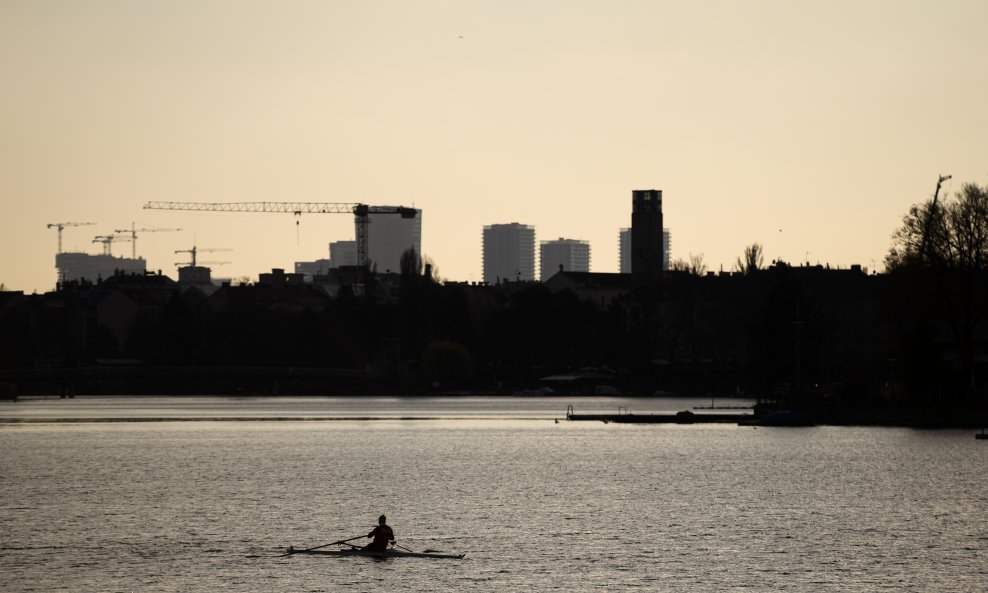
389 553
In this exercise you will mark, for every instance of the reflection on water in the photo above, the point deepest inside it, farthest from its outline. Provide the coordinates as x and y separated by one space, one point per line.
180 506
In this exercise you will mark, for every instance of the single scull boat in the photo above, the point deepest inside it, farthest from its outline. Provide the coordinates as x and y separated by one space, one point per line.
389 553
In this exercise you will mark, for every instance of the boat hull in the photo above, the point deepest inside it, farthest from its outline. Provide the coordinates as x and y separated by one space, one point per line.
390 553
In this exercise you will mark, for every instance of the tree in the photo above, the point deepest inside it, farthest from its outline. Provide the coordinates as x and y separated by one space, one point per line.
410 264
694 265
430 271
753 259
952 235
943 250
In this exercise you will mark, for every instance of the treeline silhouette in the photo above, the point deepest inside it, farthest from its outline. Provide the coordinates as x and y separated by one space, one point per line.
784 332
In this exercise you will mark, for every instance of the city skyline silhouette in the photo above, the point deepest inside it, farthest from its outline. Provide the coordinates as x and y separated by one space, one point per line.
810 130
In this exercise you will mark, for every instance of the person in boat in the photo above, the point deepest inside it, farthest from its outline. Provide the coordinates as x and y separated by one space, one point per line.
382 534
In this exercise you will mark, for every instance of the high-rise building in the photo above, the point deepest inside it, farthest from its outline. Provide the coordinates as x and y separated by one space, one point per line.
82 266
509 252
390 235
624 250
666 248
646 236
570 255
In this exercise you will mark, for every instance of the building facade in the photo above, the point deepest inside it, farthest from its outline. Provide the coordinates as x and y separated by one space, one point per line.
509 252
389 235
563 255
195 276
342 253
624 250
646 236
82 266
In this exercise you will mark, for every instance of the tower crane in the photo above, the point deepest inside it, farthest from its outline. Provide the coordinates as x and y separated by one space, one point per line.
61 226
361 213
930 213
195 250
107 241
133 236
203 263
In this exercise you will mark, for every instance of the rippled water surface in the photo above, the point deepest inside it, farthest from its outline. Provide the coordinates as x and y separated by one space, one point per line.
534 504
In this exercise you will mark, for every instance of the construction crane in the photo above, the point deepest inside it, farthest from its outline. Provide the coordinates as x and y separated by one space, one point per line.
107 241
361 213
133 230
930 214
195 250
180 264
61 225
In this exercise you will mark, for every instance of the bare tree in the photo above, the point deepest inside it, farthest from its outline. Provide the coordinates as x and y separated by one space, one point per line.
414 266
947 244
951 235
694 265
753 259
430 271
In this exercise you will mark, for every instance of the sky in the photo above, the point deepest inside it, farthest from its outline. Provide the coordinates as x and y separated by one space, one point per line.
808 127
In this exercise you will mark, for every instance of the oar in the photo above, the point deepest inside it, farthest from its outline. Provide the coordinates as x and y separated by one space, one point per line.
406 549
342 541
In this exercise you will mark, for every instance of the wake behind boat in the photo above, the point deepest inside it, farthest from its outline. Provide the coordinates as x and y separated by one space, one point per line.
388 553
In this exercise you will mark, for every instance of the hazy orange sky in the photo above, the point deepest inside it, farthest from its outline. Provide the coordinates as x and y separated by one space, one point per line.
808 127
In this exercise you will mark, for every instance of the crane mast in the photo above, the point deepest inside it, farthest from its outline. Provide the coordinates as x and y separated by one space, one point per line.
930 214
107 241
195 250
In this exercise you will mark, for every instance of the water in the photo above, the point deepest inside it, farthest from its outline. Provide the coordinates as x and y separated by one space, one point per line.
534 504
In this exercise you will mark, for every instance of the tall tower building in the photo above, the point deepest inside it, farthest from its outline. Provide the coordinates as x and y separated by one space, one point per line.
624 250
390 235
570 255
509 252
646 236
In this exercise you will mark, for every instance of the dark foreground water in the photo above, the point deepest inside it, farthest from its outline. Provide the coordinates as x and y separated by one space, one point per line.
208 505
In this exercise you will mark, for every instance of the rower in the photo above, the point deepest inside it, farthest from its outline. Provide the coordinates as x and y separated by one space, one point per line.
382 534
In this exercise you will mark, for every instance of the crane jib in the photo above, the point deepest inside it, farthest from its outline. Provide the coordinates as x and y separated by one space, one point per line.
285 207
361 213
271 207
